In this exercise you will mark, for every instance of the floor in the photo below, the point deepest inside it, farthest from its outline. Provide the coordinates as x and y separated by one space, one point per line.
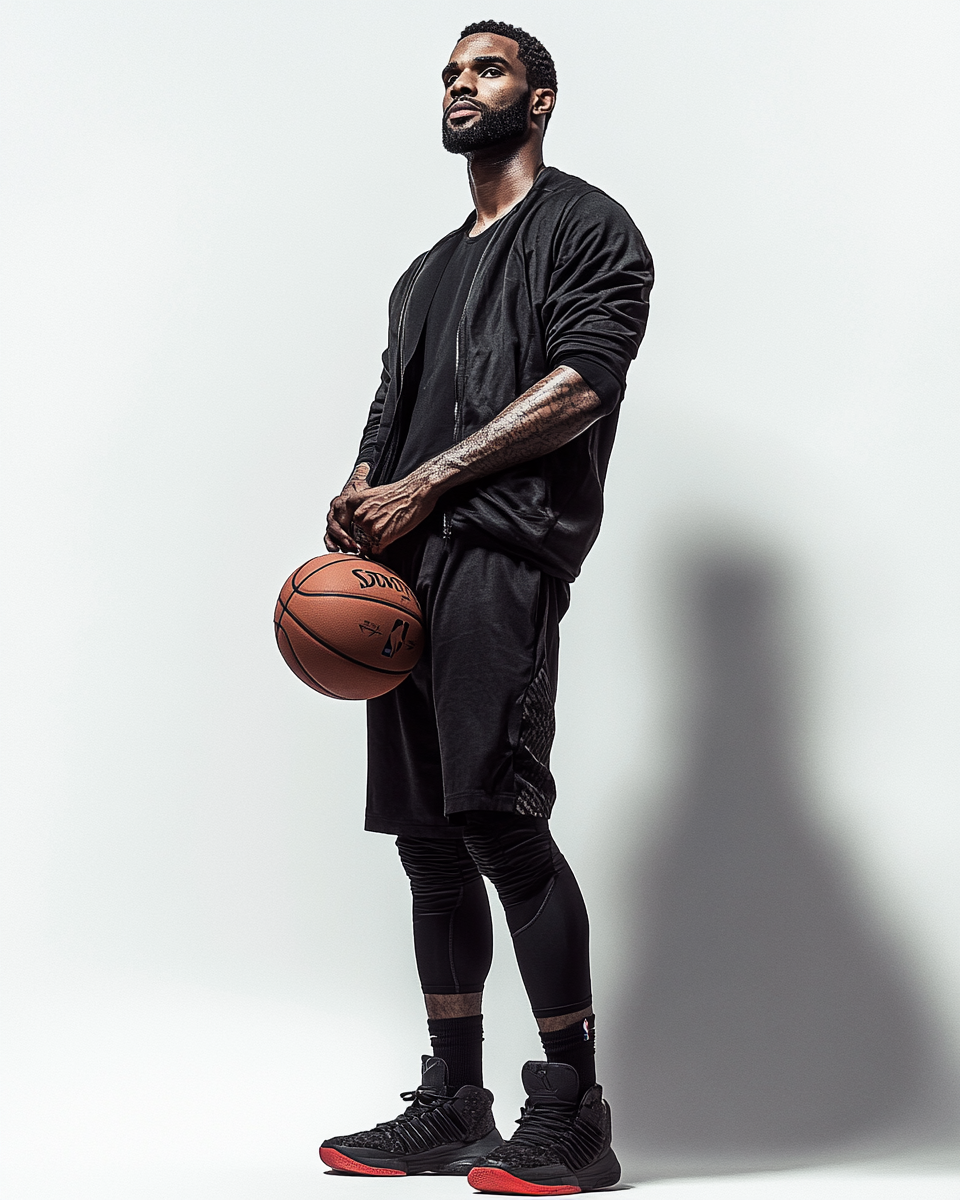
833 1184
883 1182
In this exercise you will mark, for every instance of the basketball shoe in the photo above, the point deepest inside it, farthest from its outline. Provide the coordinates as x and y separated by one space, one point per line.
562 1145
437 1132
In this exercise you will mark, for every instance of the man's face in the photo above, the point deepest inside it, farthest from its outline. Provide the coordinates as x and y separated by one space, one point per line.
486 96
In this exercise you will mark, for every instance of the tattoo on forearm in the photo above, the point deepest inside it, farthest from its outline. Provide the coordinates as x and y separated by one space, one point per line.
550 414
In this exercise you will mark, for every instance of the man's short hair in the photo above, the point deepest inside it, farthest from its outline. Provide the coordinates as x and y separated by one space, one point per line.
541 73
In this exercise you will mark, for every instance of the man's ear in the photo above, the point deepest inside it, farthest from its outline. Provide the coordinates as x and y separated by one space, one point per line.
543 101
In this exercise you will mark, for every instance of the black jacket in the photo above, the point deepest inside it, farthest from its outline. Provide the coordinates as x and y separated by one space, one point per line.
565 275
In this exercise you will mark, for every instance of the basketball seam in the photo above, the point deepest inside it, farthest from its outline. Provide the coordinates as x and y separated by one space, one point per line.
333 695
317 570
333 650
340 558
359 596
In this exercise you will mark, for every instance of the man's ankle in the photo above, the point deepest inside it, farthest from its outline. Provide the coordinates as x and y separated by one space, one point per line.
459 1042
574 1045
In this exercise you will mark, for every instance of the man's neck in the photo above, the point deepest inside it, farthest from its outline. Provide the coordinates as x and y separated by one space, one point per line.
500 178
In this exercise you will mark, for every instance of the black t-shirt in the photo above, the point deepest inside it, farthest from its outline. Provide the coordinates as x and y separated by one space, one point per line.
429 429
431 423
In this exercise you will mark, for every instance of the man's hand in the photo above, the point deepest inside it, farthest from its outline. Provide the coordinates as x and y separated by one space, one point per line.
342 508
387 513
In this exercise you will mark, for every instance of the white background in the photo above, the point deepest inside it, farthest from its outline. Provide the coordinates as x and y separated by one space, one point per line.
206 207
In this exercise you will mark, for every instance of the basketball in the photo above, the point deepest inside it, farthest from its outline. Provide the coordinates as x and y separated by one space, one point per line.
348 628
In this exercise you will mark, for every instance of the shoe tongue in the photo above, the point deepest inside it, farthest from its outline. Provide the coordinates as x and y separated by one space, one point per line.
434 1075
548 1082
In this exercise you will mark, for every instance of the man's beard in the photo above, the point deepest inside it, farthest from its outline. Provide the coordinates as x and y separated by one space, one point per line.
495 125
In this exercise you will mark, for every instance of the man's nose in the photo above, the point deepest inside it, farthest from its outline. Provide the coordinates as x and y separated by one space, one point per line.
464 85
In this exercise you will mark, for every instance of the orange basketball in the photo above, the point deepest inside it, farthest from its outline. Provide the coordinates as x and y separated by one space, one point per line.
347 627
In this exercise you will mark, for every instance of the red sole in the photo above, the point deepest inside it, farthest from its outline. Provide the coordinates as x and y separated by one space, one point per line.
493 1179
340 1162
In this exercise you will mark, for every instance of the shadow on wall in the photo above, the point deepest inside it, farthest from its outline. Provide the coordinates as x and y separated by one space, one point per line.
764 1020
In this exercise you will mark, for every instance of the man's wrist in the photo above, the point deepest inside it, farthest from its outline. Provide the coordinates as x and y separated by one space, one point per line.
358 476
432 478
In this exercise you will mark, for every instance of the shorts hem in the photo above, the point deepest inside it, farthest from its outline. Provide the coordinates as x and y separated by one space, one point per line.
461 802
411 828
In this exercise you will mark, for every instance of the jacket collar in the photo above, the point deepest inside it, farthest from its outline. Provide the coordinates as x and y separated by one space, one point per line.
427 282
424 288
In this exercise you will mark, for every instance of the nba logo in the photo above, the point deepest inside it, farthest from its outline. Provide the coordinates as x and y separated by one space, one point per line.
395 638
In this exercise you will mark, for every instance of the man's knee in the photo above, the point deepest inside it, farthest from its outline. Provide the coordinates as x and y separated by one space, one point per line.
517 855
438 870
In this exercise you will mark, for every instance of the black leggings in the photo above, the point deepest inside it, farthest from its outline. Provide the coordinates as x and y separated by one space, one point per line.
546 916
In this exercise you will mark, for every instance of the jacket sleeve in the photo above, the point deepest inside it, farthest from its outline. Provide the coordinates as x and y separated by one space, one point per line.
598 294
371 431
368 442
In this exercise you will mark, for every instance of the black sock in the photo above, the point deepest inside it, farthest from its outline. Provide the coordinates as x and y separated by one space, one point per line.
459 1042
574 1045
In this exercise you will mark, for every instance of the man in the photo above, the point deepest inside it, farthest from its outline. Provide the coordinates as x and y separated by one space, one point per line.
479 480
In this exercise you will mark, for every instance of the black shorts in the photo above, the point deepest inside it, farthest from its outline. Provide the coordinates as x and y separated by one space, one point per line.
472 727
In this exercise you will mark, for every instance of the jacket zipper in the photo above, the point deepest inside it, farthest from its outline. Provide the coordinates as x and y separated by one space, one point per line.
389 454
457 407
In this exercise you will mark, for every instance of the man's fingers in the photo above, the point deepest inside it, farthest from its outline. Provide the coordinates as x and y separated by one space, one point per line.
336 539
363 538
339 537
338 521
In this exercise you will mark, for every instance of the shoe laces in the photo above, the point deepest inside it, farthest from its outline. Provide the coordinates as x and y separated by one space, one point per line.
544 1123
419 1101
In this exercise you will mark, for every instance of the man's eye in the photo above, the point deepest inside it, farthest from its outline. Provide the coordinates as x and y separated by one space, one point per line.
492 71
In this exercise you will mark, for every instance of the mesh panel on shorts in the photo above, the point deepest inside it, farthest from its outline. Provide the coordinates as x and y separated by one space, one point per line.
536 790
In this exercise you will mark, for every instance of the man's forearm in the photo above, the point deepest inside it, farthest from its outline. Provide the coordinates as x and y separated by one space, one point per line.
546 417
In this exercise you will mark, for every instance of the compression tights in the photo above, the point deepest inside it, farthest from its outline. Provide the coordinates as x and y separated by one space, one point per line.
546 916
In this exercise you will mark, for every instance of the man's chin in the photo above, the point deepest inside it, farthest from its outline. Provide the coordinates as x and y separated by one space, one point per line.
460 142
493 128
456 145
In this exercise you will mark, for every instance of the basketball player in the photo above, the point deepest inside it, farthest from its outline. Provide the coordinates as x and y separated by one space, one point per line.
479 480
